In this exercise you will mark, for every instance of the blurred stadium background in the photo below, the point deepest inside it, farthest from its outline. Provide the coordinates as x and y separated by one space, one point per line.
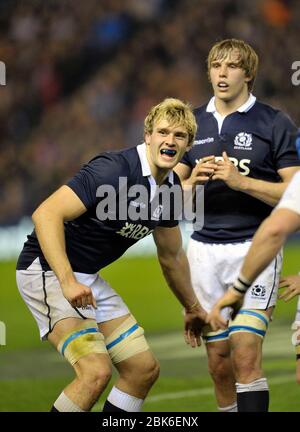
80 78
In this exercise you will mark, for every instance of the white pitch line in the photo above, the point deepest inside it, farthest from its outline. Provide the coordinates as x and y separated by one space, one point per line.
209 390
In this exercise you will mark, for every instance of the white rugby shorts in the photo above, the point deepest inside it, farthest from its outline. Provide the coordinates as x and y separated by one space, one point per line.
42 293
214 268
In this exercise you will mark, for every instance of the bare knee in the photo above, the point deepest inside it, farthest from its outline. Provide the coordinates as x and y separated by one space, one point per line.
151 371
142 370
247 363
94 371
147 372
219 362
219 366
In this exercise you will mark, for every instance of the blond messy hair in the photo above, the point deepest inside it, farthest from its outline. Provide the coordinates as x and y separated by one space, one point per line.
248 60
176 112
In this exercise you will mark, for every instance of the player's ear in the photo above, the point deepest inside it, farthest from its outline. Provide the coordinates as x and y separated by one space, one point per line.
147 138
248 78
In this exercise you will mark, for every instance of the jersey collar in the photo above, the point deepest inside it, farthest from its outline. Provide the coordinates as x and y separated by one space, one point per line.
211 107
141 149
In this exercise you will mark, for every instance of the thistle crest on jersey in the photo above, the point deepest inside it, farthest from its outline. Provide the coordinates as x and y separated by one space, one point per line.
258 291
243 141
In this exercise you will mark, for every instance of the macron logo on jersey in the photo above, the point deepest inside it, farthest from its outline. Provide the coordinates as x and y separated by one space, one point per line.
204 141
243 141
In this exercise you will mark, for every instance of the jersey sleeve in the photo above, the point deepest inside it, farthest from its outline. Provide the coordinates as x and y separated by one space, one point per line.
168 224
186 159
284 135
102 170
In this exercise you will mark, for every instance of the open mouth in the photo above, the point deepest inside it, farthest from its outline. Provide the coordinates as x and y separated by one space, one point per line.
168 152
223 85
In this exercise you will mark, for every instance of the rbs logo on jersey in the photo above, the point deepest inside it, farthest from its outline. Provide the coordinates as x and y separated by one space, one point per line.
242 164
135 231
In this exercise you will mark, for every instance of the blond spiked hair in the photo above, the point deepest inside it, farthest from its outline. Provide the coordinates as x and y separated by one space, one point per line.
176 112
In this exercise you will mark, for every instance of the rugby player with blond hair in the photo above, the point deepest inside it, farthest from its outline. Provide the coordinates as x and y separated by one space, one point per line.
57 272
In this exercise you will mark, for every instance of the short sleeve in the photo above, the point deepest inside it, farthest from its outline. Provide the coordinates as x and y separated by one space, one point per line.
284 135
187 159
102 170
168 224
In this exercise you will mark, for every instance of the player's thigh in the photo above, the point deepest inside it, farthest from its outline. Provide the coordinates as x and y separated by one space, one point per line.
218 355
108 327
247 332
125 341
246 350
67 326
204 273
82 345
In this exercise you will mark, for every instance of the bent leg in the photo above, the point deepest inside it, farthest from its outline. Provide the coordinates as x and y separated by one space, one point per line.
81 344
138 369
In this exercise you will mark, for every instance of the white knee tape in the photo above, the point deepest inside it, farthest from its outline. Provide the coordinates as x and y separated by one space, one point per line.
86 339
249 321
126 341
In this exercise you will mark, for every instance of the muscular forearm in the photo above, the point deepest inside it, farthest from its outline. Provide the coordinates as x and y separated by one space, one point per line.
266 244
50 232
268 192
177 274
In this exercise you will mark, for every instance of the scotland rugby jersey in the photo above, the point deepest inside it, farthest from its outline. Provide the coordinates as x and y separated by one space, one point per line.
259 140
93 243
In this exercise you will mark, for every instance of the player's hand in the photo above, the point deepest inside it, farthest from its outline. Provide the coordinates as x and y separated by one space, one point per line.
79 295
194 321
228 172
231 298
291 285
203 171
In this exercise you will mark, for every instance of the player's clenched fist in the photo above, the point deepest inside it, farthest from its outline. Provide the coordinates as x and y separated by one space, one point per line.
79 295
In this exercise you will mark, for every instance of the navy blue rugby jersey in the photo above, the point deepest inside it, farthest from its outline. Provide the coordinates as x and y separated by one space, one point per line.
259 142
91 243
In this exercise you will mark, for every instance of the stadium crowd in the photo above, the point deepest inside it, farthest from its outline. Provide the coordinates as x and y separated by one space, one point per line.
82 75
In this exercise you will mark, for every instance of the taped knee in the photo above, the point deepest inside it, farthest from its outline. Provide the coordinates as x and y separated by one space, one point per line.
126 341
214 336
86 339
250 321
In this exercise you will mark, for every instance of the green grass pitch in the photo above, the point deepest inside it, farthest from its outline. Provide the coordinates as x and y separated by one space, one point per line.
32 374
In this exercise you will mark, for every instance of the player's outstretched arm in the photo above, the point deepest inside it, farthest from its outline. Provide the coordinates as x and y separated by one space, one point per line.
267 242
49 219
176 270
